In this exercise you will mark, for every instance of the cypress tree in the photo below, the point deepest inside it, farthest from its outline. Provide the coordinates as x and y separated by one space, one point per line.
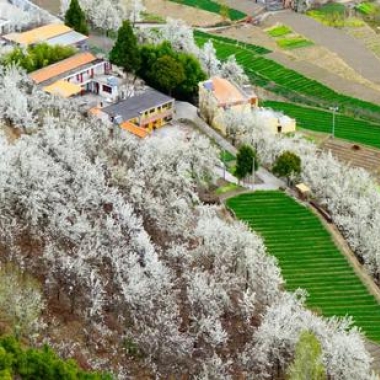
125 53
75 18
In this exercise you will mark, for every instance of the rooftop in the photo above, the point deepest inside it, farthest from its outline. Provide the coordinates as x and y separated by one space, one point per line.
63 88
225 91
70 38
40 34
62 67
133 106
137 131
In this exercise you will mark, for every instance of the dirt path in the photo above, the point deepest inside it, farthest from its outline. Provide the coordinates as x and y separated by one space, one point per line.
351 50
336 82
367 36
250 7
316 62
373 348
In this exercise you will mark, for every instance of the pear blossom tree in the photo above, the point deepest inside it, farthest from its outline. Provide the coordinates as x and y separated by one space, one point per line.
109 14
116 233
208 59
349 194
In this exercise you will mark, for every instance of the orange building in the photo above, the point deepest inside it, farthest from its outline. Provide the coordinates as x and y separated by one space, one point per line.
217 95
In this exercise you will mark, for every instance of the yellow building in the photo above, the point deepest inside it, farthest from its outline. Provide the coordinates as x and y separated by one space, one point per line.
217 95
140 114
275 122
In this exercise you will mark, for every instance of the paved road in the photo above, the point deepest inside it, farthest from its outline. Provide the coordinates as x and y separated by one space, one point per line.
186 111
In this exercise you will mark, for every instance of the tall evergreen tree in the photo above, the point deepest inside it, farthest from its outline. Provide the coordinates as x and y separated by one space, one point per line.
75 18
125 53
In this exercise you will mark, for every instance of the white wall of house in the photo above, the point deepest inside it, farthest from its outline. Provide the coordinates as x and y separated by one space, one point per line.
275 122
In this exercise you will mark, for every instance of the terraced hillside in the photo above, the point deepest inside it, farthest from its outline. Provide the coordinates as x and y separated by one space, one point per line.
308 257
366 158
348 128
272 76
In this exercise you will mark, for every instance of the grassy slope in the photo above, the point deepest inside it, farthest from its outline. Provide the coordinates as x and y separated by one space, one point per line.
309 258
211 6
296 87
346 127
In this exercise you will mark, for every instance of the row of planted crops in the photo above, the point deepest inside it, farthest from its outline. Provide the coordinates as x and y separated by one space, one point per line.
294 86
348 128
212 6
309 258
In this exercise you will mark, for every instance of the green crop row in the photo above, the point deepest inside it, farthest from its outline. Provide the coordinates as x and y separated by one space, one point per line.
308 257
346 127
293 42
296 87
203 37
212 6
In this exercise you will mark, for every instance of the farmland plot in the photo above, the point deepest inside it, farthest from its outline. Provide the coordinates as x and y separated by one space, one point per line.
348 128
309 258
296 87
211 6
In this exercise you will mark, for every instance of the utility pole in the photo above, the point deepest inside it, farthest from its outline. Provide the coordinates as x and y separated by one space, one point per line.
224 164
334 110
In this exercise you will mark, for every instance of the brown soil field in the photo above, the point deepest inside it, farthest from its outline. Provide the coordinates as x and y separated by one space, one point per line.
364 157
50 5
190 15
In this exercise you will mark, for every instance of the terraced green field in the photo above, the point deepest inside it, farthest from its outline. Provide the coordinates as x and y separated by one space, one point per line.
308 257
211 6
279 31
348 128
294 42
296 87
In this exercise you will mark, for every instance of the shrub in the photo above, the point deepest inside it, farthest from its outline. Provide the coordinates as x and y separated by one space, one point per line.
287 164
30 364
37 56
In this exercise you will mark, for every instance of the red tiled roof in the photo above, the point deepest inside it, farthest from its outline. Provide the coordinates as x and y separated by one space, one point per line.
137 131
61 67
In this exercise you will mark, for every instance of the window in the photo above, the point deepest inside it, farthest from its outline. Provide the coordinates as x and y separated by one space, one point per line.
279 128
107 89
